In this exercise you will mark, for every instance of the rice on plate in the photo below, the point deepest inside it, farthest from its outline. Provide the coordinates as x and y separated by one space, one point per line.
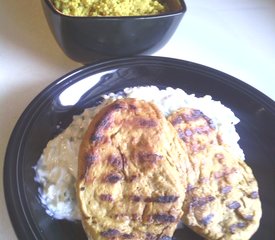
56 170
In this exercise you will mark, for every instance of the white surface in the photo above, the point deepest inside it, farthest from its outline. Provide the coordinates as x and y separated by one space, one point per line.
234 36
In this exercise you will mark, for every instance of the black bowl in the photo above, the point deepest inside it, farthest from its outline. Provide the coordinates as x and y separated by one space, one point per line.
52 110
85 39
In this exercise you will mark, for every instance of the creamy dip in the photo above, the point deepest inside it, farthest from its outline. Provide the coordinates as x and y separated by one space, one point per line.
56 170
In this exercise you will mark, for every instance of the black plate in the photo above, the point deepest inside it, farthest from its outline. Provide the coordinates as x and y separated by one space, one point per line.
38 124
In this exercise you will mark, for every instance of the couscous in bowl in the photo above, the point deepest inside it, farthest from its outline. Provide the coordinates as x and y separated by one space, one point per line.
108 8
88 38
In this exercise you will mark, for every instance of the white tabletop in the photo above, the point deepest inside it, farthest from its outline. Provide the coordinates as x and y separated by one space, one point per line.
234 36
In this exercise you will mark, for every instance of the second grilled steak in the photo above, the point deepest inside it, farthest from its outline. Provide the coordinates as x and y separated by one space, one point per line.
222 201
132 173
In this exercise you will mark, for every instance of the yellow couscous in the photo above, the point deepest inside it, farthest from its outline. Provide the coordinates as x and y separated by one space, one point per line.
110 7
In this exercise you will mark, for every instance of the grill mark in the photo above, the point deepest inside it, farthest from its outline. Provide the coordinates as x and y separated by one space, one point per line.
118 106
127 236
202 130
148 199
190 187
188 132
234 205
177 120
110 233
254 195
164 218
132 106
166 199
151 158
199 202
96 137
195 113
224 173
162 199
187 117
209 122
113 178
192 116
147 123
106 197
206 220
102 126
182 135
124 164
186 135
115 161
105 121
136 198
90 159
235 226
247 217
226 189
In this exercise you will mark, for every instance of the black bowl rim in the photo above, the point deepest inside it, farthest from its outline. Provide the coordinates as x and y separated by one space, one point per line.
161 15
17 215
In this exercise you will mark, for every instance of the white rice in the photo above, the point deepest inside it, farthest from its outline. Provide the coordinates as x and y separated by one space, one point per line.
56 169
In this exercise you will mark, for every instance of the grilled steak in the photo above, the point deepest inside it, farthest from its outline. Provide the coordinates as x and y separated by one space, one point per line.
132 173
222 200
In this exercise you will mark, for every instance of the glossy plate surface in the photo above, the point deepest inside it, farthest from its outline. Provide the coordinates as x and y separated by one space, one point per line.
82 88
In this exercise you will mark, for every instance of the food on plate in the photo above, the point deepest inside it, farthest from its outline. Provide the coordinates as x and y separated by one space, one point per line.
56 170
223 202
110 7
132 173
207 133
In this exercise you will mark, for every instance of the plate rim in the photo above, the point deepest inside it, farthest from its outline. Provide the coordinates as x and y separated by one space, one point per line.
15 214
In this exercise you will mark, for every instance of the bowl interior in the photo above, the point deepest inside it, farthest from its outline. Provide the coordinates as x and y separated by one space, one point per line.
173 6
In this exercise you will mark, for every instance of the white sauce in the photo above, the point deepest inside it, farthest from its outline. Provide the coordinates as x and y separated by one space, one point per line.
56 170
